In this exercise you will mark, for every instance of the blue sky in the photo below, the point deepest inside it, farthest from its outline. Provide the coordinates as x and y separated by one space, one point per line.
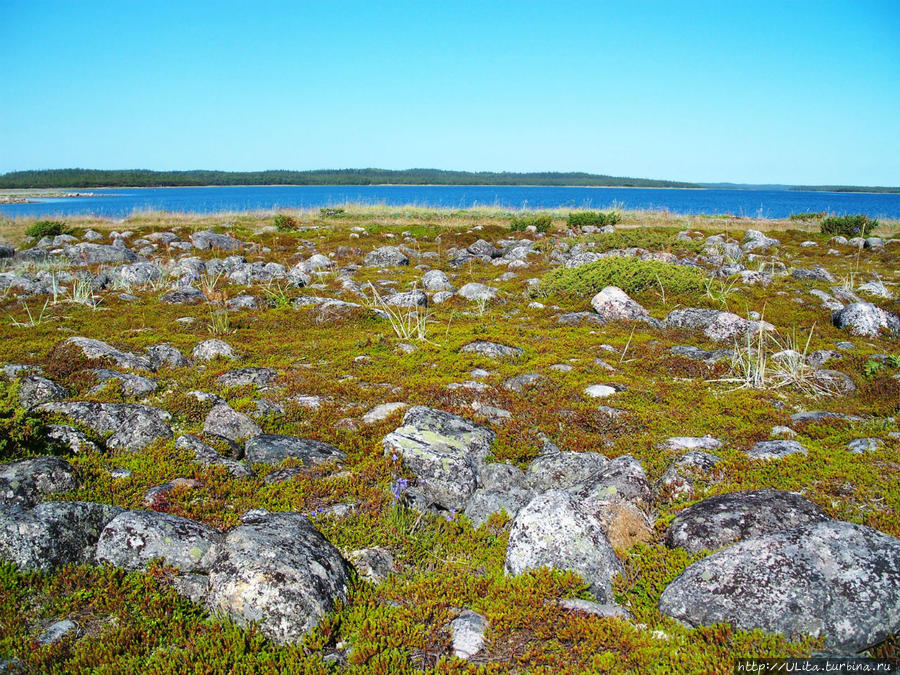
788 92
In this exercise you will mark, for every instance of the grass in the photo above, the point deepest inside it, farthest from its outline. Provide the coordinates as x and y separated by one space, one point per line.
135 623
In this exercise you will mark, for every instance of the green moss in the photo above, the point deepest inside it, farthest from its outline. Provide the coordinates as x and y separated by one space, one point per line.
629 274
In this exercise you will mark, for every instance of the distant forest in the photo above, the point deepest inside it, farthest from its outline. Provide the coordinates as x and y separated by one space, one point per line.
91 178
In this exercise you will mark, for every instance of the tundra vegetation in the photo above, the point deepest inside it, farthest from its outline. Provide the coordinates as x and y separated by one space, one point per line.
699 356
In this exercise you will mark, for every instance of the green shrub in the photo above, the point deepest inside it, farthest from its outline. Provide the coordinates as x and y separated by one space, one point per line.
650 238
543 223
285 223
21 433
579 219
849 226
47 228
812 215
629 274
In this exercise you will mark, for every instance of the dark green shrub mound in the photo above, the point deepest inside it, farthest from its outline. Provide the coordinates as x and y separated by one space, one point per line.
542 223
812 215
595 218
285 223
47 228
652 239
629 274
21 433
849 226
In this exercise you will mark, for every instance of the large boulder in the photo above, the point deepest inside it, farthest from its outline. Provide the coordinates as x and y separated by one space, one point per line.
476 291
866 320
132 385
134 538
228 423
830 579
132 426
562 470
613 304
385 256
207 239
274 448
445 452
436 280
53 534
555 531
277 571
90 254
24 482
34 390
95 349
725 519
492 350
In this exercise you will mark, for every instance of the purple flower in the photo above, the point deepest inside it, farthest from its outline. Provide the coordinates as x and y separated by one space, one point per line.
398 487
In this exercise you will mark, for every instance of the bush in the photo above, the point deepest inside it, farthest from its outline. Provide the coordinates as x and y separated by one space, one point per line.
812 215
849 226
542 223
285 223
47 228
21 433
652 239
594 218
629 274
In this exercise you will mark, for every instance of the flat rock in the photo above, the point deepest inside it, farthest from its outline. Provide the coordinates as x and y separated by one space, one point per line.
386 256
692 443
24 482
523 382
277 571
830 579
132 385
258 377
492 350
134 538
206 455
775 449
275 448
383 411
725 519
91 254
444 451
183 295
132 426
35 389
563 470
95 349
861 445
207 239
228 423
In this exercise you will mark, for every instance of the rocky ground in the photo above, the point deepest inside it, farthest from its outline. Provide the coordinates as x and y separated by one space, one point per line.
402 441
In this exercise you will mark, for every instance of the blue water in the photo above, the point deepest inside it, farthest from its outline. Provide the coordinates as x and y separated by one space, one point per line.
121 202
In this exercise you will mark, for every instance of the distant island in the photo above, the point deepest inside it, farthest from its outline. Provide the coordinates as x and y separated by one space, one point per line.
96 178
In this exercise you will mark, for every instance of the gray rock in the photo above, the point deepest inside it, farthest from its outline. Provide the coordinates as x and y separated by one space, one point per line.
138 273
134 538
441 297
132 426
277 570
830 579
483 503
24 482
6 251
717 325
754 240
563 470
95 349
210 349
491 350
91 254
53 534
698 354
834 382
692 443
604 611
205 455
502 476
184 295
600 390
817 273
413 298
678 478
861 445
275 448
386 256
613 304
725 519
70 437
242 302
467 634
821 415
476 291
226 422
166 355
820 357
555 531
436 280
207 239
132 385
374 564
866 320
520 383
775 449
383 411
34 390
59 630
484 248
258 377
578 318
444 451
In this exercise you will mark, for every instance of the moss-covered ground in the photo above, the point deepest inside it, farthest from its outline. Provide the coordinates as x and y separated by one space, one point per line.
136 623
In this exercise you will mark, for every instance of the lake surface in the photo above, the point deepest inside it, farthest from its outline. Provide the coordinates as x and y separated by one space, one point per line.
121 202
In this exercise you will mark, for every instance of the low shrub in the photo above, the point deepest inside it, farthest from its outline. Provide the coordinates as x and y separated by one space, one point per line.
812 215
629 274
47 228
21 433
543 223
285 223
849 226
652 239
579 219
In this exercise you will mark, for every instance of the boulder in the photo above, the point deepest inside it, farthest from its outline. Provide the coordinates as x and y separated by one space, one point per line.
132 427
34 390
725 519
207 239
166 355
275 448
436 280
866 320
613 304
95 349
555 531
412 299
483 503
563 470
210 349
476 291
830 579
24 482
132 385
226 422
620 479
386 256
445 452
91 254
184 295
492 350
277 571
206 455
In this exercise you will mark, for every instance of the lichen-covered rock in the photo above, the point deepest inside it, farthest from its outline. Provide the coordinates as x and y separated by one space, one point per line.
622 478
75 440
382 411
385 256
206 455
866 320
228 423
834 382
134 538
207 239
24 482
678 478
776 449
278 571
445 452
436 280
275 448
467 634
132 426
374 564
563 470
555 531
183 295
258 377
523 382
476 291
210 349
725 519
492 350
95 349
132 385
830 579
861 445
166 355
91 254
53 534
35 389
613 304
717 325
483 503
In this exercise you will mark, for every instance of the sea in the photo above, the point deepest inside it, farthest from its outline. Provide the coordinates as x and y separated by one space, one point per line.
123 202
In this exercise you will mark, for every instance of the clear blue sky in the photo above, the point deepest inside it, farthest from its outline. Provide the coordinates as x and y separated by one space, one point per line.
788 92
